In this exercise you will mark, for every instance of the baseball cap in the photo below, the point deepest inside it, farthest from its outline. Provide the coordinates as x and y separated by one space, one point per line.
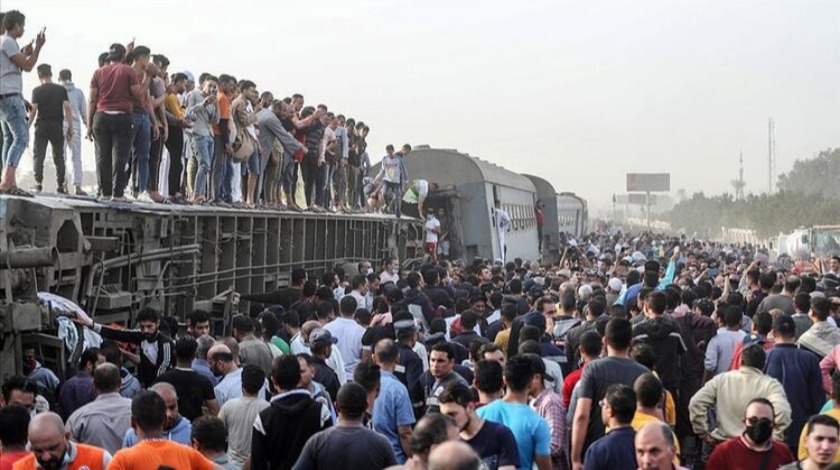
189 75
784 324
321 336
116 51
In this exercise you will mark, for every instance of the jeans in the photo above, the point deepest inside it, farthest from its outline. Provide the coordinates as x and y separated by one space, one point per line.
155 157
175 146
288 175
113 148
51 132
321 182
141 145
340 181
393 198
309 171
353 173
74 149
222 168
203 150
15 129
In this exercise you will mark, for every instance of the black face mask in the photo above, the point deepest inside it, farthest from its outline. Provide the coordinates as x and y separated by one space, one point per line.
760 432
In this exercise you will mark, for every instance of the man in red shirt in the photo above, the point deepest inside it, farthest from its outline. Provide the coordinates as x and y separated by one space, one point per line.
590 349
14 421
755 447
109 120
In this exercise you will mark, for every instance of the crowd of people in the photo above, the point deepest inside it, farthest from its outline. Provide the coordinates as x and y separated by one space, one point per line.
630 352
169 137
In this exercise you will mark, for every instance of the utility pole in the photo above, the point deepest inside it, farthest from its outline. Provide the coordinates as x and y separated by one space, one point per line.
771 154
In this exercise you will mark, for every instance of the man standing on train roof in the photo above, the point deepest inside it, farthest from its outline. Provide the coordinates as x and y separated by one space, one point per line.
502 222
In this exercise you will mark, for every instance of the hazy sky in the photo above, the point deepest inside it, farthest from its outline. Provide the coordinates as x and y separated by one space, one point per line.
580 92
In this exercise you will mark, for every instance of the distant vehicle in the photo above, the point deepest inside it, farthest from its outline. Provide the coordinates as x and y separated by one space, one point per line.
820 241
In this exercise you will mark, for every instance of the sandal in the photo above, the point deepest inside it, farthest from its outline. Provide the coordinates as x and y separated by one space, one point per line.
16 191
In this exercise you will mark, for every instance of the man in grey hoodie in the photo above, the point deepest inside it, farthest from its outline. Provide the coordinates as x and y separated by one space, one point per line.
74 146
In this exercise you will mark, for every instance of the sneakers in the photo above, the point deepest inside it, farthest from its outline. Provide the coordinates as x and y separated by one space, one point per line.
145 197
61 189
80 191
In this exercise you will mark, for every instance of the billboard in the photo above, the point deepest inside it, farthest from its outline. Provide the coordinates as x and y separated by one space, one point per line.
644 182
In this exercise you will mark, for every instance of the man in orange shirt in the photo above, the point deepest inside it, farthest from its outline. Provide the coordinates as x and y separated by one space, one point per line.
220 186
148 414
14 421
52 450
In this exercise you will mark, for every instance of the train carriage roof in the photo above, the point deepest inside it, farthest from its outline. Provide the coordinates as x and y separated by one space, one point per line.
544 189
450 167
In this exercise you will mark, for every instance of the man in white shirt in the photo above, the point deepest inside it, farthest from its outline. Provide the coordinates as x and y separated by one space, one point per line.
432 228
349 335
502 226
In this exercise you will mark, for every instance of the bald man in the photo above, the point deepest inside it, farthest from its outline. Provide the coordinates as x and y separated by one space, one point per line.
453 455
104 421
176 428
52 449
223 361
655 448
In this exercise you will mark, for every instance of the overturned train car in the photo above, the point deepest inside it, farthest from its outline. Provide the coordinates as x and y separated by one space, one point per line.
114 259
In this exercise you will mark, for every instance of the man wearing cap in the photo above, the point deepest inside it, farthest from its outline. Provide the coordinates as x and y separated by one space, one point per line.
321 451
321 343
109 120
409 369
799 373
50 110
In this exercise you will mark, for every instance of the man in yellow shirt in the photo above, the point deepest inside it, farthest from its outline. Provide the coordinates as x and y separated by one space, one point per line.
176 121
834 413
650 395
508 316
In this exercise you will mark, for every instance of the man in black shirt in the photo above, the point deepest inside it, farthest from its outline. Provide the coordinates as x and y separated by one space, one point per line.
664 335
194 390
52 107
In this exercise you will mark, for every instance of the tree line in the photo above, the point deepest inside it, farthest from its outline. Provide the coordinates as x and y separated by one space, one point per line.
809 194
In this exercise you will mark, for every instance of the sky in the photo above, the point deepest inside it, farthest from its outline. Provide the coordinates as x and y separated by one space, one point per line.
579 92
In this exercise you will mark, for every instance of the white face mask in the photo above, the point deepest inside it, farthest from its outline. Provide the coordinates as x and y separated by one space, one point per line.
369 271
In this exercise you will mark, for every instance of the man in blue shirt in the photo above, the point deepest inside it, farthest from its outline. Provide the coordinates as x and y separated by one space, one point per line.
533 437
616 450
392 412
799 373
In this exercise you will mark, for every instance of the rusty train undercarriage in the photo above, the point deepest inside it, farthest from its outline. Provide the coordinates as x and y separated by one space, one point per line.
114 259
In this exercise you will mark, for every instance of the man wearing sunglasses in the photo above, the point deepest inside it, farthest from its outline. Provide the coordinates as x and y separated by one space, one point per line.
755 447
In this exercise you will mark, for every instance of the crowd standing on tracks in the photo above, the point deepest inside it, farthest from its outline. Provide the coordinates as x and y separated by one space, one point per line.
172 137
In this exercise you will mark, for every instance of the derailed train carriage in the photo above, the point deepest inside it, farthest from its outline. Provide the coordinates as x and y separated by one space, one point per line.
563 213
468 187
114 259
